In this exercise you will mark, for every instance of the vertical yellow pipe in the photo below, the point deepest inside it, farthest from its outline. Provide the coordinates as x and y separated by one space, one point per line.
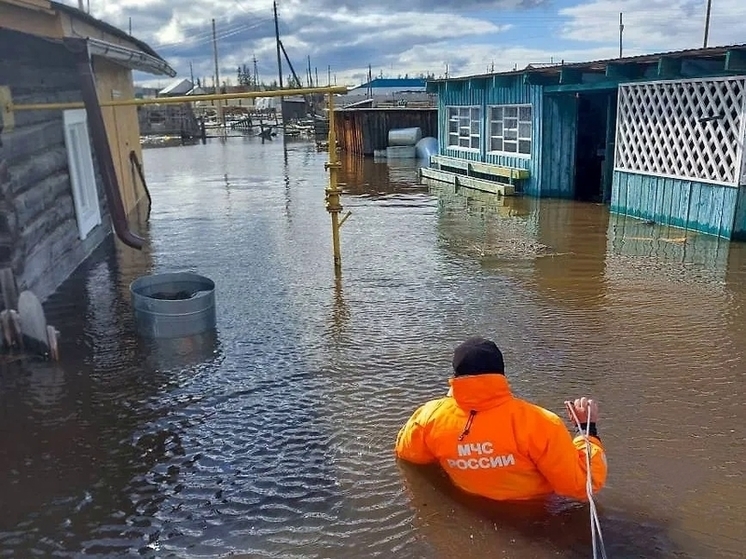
333 205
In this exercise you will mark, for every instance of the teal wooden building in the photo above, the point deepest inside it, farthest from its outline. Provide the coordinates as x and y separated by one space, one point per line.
659 137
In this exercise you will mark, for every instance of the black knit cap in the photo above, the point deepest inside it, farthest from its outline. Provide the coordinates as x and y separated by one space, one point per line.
477 356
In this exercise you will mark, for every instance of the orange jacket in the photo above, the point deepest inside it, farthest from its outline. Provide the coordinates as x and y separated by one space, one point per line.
498 446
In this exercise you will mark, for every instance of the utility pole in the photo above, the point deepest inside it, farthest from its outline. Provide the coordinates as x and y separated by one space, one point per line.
256 75
130 26
707 22
310 76
329 76
316 69
277 40
217 72
621 31
191 72
279 59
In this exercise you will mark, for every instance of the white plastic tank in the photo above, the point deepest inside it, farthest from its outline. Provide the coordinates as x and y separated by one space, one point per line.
426 147
405 136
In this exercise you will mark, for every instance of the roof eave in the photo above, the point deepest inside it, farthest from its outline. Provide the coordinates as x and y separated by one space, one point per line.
600 65
130 58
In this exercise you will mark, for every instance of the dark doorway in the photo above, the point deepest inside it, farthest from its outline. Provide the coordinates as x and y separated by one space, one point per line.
591 148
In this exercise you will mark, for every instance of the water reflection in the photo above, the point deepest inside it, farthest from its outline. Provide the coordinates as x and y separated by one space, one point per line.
557 528
174 355
273 435
375 178
341 312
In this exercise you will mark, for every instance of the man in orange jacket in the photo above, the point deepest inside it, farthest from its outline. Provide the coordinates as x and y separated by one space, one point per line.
493 444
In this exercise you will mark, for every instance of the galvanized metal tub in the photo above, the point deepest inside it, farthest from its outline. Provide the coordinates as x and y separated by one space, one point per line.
173 304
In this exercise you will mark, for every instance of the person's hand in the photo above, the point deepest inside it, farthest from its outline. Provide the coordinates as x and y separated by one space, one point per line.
583 407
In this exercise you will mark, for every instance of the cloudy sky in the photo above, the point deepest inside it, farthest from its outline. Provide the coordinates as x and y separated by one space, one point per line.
409 37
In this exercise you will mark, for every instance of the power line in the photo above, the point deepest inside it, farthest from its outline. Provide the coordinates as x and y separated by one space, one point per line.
192 42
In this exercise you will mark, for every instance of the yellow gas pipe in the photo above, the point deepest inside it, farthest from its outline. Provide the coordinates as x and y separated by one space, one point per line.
333 192
333 204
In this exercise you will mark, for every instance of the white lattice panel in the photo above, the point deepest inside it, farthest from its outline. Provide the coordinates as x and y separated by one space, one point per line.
665 129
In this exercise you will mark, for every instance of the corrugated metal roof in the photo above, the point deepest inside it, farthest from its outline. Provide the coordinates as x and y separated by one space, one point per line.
700 53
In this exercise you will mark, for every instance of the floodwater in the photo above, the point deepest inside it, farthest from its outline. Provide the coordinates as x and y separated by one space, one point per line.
273 436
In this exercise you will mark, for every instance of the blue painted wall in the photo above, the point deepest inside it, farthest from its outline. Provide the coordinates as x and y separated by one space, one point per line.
483 92
559 134
518 93
739 221
707 208
461 94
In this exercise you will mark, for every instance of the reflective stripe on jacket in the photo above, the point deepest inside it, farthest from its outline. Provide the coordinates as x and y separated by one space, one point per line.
498 446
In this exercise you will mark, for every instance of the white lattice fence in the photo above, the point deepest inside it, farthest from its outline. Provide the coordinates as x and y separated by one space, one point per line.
691 129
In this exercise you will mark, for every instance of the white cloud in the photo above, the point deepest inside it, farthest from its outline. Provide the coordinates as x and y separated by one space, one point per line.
656 25
418 36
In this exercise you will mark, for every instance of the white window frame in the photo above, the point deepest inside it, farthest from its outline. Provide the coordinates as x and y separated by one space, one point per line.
464 112
82 175
502 129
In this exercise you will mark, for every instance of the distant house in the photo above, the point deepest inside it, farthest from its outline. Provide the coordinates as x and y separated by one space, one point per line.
176 88
388 86
66 175
388 92
659 137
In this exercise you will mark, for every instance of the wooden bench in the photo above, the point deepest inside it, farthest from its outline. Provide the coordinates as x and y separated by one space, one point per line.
464 181
512 174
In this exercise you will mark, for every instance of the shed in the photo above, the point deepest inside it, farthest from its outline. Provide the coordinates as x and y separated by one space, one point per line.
176 88
659 136
65 175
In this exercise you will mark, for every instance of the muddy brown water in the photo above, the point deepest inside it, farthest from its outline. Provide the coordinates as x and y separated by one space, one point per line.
273 436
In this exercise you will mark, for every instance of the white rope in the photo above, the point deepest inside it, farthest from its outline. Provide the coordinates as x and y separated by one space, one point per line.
596 535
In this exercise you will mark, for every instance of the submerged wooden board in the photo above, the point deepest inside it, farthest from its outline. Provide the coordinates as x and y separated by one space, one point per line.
468 182
484 168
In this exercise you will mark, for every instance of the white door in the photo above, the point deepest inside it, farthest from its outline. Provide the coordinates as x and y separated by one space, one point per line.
82 175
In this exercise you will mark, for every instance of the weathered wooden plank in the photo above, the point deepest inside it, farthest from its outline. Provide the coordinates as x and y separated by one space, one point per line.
26 75
739 217
506 172
363 131
438 175
454 162
24 142
22 48
479 167
468 182
9 288
7 220
35 230
56 257
705 208
6 249
28 172
41 198
558 147
30 118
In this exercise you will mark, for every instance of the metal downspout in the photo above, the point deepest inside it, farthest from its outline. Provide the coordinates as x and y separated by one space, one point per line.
79 48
